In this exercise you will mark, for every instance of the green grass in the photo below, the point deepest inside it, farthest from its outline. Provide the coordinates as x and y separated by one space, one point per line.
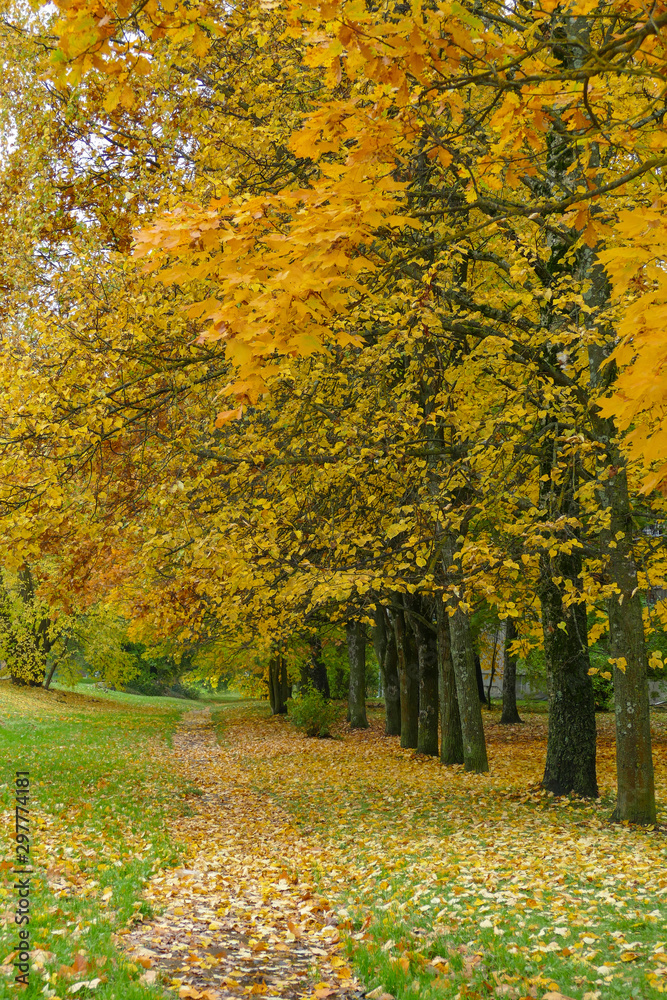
100 799
205 699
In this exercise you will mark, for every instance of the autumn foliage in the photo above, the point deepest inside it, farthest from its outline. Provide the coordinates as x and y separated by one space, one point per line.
316 314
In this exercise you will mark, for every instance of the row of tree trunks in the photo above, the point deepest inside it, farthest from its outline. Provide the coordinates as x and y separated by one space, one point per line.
428 682
279 687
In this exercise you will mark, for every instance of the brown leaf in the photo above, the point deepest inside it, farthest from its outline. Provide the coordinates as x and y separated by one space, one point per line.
78 966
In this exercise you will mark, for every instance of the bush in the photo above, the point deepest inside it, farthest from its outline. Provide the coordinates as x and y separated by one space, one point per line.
603 690
312 713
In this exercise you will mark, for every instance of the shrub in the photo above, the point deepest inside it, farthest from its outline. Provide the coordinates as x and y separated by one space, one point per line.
312 713
603 690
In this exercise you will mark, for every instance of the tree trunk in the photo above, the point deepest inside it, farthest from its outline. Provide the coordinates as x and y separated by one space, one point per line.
285 686
634 760
314 673
451 739
356 651
380 642
427 657
271 686
278 685
385 650
570 764
480 679
49 676
470 709
510 714
408 678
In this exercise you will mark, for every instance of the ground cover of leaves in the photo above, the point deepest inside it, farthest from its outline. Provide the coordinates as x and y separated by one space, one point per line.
324 868
457 885
243 916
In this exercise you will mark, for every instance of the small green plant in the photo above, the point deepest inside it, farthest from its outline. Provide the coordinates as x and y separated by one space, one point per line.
312 713
603 690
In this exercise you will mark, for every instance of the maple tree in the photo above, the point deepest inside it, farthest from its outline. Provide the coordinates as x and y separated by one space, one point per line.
374 244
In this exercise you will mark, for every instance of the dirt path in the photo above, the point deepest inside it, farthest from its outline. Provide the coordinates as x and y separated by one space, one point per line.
244 916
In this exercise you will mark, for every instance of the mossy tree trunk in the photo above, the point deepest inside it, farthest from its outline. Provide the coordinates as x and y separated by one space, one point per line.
356 651
385 650
470 708
279 688
421 623
408 677
634 760
570 763
451 738
635 796
510 715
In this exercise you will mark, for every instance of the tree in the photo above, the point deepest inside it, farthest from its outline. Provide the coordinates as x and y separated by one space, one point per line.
420 615
385 651
356 647
420 231
510 714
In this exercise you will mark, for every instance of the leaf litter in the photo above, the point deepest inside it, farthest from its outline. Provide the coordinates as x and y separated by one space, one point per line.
245 914
487 872
440 883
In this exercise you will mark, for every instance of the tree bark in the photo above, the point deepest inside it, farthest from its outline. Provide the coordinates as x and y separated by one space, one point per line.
510 715
427 656
278 684
470 709
408 677
315 672
356 650
451 739
480 679
385 650
634 760
380 641
49 676
570 764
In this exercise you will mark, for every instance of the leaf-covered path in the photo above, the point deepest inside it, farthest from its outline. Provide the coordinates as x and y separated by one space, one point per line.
245 916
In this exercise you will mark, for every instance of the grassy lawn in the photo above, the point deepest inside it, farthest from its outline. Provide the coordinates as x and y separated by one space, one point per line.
101 795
